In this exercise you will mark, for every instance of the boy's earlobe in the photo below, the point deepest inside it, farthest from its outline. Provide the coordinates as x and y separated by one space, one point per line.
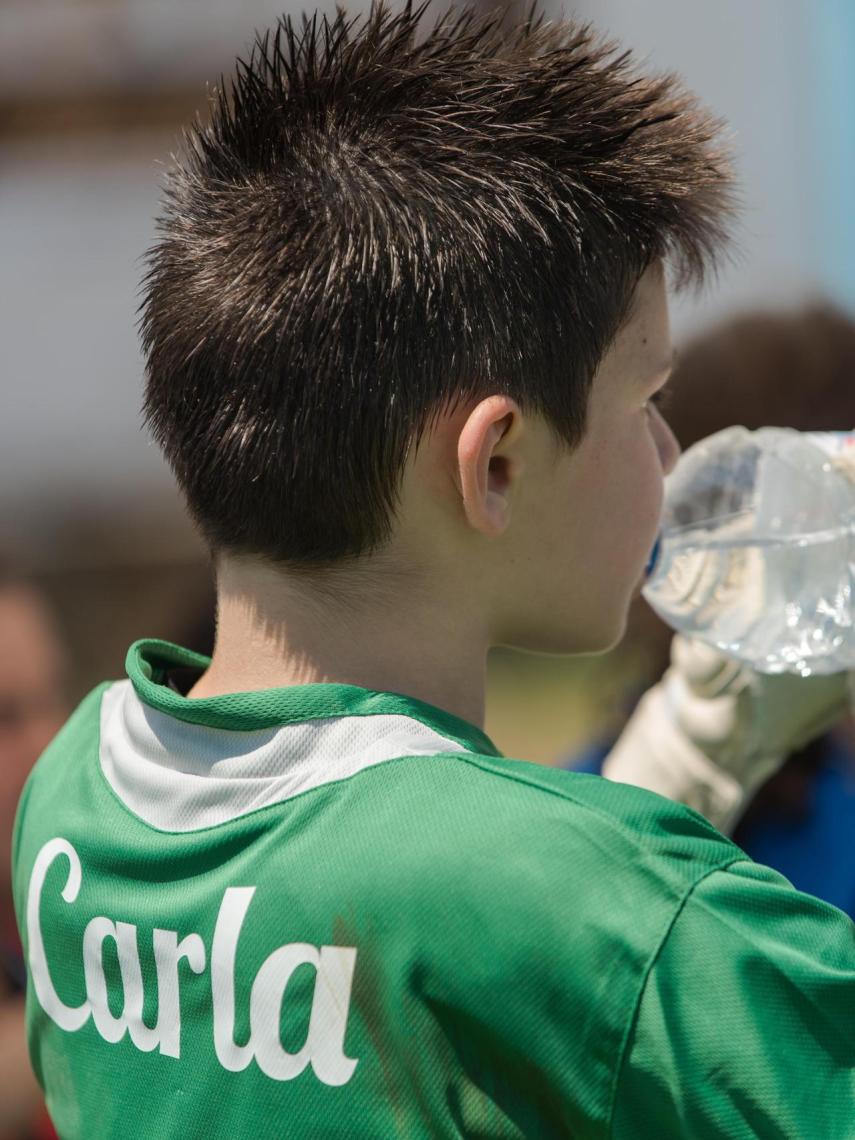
487 468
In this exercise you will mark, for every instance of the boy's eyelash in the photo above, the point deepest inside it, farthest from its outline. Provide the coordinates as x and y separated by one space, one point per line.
663 397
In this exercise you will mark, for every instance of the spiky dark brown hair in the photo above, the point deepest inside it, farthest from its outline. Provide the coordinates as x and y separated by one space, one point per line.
373 226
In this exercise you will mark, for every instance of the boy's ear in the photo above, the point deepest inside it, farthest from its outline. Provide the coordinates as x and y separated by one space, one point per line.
489 463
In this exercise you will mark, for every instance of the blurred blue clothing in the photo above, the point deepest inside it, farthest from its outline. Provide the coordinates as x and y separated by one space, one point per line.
815 850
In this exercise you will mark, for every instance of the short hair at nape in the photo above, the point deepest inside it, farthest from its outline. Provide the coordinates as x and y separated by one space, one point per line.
375 225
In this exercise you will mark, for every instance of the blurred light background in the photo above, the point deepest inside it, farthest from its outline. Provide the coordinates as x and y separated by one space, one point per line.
92 96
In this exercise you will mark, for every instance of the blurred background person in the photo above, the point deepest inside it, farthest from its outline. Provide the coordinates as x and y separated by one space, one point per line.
33 706
789 370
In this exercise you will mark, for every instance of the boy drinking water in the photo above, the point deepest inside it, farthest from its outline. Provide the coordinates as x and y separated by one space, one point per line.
405 328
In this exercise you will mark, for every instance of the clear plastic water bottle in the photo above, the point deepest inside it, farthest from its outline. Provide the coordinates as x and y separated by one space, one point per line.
757 550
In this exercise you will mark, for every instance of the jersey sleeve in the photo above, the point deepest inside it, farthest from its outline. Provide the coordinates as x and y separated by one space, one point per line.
746 1023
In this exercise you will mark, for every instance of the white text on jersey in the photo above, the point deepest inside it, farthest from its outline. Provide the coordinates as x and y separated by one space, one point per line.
334 967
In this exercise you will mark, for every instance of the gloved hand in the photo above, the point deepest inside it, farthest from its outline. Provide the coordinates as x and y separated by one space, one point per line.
713 729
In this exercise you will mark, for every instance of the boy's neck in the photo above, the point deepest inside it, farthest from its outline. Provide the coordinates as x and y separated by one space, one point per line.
274 631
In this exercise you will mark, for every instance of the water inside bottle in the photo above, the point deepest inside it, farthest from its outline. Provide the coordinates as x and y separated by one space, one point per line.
732 588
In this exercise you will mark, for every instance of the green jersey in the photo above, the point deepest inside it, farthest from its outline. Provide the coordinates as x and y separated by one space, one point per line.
322 911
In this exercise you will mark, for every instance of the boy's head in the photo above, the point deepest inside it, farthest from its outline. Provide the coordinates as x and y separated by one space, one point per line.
408 309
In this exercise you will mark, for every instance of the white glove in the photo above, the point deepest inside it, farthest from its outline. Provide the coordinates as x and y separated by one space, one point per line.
713 729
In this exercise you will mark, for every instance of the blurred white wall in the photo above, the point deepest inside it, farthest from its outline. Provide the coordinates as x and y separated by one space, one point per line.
73 230
756 65
65 46
76 214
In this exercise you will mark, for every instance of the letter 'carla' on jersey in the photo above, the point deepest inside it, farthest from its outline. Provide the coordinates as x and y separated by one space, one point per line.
334 968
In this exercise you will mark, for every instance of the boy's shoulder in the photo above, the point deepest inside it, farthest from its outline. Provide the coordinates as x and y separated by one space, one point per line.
529 905
513 842
77 737
540 856
518 805
483 804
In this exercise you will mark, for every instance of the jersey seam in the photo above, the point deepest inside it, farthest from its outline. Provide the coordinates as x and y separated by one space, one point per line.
636 1009
478 761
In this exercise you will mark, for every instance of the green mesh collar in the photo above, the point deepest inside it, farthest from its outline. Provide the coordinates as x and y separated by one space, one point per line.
149 661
